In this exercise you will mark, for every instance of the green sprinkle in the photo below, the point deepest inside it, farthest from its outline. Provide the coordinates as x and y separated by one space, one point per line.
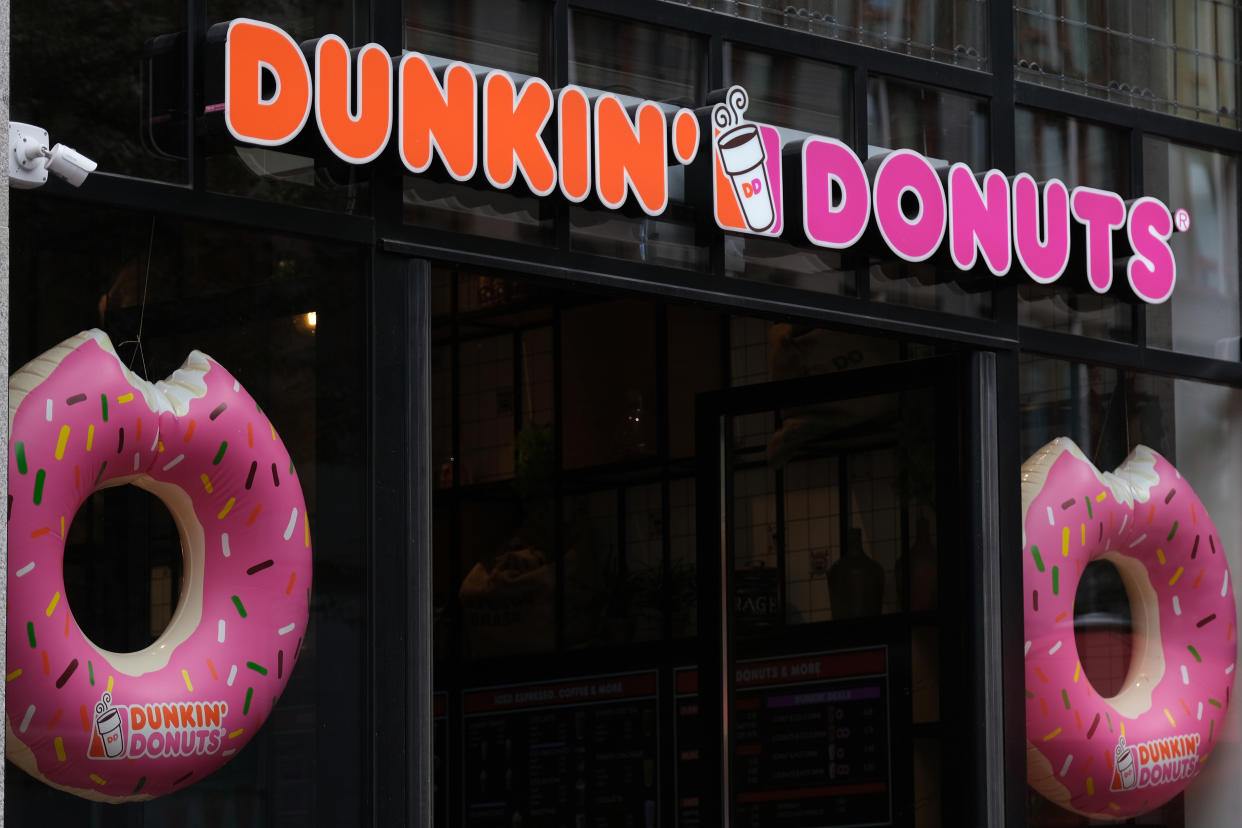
1065 698
1110 722
1172 531
21 457
101 471
103 405
1039 562
1029 694
261 670
1194 652
1214 702
90 668
241 610
40 476
249 696
224 444
1087 500
142 781
1056 581
30 634
1211 729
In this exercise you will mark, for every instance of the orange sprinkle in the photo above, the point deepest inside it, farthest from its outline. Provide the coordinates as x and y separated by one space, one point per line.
212 668
1087 763
292 577
1151 513
1229 632
86 722
249 435
77 477
189 431
1198 578
1043 706
66 623
254 514
1041 675
47 668
38 533
1078 719
55 719
1185 706
1193 517
1060 617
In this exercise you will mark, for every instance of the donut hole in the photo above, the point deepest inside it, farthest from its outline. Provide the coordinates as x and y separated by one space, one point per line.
123 568
1102 627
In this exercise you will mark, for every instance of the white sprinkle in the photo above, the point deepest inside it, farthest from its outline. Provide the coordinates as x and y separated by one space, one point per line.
1124 518
1224 585
286 629
174 461
236 385
1141 538
49 419
1051 520
224 543
233 675
1200 711
30 710
1177 606
1185 675
1054 649
229 752
1028 649
1065 767
293 521
137 460
1229 669
220 631
25 570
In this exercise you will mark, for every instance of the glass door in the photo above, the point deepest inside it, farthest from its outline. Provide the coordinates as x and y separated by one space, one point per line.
842 687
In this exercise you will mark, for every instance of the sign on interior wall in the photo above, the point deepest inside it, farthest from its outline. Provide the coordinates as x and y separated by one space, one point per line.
489 127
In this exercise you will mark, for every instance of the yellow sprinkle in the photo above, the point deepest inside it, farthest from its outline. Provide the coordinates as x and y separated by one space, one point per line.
1160 556
1123 728
306 529
60 748
109 684
226 508
1114 806
237 732
1054 734
1090 786
60 443
124 398
51 607
97 779
1077 670
185 675
1176 575
62 526
1084 533
1065 541
14 674
1100 497
273 430
206 482
161 443
1169 716
90 437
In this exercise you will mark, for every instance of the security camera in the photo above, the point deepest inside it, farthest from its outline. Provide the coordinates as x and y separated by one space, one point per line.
30 159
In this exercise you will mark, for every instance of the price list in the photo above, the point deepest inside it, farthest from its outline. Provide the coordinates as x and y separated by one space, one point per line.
579 753
810 742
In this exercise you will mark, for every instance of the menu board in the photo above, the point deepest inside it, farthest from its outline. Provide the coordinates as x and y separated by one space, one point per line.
439 750
810 742
580 753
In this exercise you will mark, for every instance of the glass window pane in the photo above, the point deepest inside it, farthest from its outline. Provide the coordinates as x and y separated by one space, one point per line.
1178 58
108 80
1201 317
1079 153
948 31
946 127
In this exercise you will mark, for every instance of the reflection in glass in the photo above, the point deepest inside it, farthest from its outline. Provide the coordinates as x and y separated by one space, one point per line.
1178 58
1081 154
1202 315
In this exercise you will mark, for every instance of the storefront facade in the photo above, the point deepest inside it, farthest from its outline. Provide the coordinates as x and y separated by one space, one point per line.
621 518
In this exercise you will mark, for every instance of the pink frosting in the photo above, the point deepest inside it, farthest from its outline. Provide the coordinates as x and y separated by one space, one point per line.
1085 753
86 425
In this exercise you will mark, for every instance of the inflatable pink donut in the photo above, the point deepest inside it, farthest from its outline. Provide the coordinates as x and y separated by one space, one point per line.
1113 758
126 726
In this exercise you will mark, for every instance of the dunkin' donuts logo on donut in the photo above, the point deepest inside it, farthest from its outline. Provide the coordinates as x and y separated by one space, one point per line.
1155 762
156 730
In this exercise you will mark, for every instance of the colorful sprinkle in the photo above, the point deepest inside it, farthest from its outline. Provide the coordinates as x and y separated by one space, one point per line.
258 668
1194 652
1054 734
275 476
174 462
206 482
189 431
227 507
1169 716
1172 531
217 411
64 677
90 672
1065 698
21 457
181 779
220 631
40 476
214 675
1176 575
103 406
224 544
1094 724
259 567
1214 702
30 633
254 465
232 676
13 674
59 743
237 733
51 607
1054 649
241 610
90 437
75 399
120 439
1056 581
286 629
98 780
293 521
249 696
1090 786
224 445
141 781
292 577
254 513
1206 620
30 711
26 570
99 476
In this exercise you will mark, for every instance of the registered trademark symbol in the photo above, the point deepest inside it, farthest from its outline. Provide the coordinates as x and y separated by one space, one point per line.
1182 219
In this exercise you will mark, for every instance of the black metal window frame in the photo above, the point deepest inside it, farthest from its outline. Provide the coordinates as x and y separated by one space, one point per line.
398 545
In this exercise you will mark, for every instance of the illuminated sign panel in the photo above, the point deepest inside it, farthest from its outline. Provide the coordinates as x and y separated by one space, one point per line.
483 126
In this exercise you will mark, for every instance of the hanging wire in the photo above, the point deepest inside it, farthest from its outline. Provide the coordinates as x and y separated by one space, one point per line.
142 309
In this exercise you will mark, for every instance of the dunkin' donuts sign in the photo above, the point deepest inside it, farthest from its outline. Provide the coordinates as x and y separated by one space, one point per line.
471 124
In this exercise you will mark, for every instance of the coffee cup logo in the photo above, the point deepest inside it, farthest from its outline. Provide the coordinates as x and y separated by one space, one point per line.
1125 774
744 153
108 740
